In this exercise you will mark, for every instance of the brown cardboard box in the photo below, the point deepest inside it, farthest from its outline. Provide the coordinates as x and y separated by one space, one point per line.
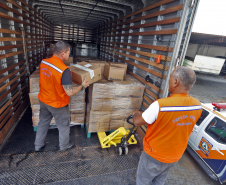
35 109
110 103
77 118
34 98
83 70
115 124
100 63
77 102
34 81
117 103
69 61
102 121
115 71
129 88
120 65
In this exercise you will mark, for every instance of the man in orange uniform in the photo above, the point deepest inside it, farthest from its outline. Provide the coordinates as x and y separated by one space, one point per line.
55 89
170 123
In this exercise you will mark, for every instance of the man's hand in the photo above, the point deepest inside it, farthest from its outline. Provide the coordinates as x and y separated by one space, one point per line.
137 118
71 90
85 83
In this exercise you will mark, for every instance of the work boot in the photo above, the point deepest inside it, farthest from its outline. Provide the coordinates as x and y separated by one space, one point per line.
41 148
68 147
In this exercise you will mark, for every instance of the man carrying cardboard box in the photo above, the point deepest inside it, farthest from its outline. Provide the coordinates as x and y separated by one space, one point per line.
55 89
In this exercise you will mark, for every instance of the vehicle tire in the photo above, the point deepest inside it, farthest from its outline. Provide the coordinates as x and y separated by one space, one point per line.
119 150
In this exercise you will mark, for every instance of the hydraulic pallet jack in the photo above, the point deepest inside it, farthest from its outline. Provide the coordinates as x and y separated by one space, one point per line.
120 138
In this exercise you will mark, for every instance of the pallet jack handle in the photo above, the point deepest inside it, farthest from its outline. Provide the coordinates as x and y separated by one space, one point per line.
128 120
132 130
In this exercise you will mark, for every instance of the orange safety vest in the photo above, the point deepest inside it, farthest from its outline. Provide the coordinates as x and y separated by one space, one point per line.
167 138
51 89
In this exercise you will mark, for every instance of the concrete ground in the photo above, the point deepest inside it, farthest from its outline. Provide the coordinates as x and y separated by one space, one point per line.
208 89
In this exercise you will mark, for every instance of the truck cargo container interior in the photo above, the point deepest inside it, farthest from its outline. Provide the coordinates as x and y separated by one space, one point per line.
133 32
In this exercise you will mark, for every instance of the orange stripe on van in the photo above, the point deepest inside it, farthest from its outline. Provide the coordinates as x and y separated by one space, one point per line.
214 154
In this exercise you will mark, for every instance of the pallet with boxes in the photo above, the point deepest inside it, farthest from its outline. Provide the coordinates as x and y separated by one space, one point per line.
77 104
110 103
112 96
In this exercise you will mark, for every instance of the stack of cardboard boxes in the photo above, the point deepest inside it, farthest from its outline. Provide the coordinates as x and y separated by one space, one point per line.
77 108
34 90
113 95
77 103
110 103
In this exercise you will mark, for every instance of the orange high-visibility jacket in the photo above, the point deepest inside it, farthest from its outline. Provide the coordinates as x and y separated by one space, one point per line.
166 139
51 89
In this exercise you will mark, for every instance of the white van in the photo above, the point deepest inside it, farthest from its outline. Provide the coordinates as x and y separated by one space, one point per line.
207 142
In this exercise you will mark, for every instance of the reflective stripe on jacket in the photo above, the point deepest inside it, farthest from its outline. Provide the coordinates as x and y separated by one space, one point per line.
166 139
51 89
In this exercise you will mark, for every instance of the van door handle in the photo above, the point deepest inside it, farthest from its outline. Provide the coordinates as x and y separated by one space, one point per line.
217 149
195 130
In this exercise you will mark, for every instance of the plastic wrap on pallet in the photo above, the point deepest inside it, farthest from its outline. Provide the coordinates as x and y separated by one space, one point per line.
77 102
117 103
77 118
34 98
35 109
34 81
110 103
98 121
129 88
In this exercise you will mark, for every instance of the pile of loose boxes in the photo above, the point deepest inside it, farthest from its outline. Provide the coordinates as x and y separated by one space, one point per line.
112 95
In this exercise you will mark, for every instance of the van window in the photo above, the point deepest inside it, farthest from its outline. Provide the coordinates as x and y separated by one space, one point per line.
217 130
202 117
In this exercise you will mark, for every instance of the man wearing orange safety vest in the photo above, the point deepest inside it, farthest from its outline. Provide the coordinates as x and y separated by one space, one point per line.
170 123
55 89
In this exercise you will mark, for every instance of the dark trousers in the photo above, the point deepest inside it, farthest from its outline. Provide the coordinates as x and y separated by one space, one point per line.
62 118
151 171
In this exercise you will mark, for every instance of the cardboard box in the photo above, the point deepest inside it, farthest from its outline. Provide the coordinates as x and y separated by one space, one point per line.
77 118
100 63
103 121
34 81
117 103
129 88
35 109
120 65
83 70
115 124
110 103
69 61
77 102
115 71
34 98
